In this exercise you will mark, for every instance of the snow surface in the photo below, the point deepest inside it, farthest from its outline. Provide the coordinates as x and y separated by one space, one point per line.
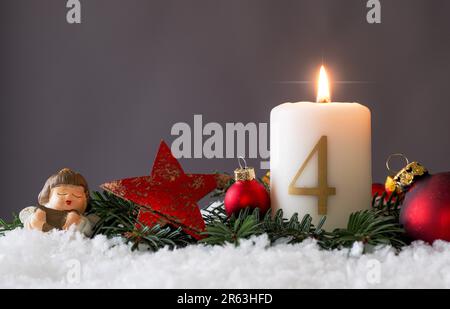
31 259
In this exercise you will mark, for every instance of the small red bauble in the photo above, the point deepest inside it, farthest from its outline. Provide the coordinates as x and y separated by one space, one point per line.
425 213
378 190
246 192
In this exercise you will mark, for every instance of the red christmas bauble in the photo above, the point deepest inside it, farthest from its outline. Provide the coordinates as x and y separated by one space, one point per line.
425 212
246 194
378 190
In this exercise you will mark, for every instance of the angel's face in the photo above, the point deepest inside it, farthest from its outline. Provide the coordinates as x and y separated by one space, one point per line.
68 197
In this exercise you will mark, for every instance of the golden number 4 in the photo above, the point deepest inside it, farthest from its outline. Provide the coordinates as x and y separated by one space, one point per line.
322 191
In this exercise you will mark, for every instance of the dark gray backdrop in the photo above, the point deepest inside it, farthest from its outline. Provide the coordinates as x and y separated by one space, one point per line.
98 97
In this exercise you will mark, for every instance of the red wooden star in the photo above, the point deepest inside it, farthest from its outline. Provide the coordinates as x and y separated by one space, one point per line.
168 196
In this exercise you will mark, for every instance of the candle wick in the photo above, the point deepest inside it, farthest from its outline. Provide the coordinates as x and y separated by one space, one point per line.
323 100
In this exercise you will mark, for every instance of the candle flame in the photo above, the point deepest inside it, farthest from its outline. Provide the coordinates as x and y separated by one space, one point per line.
323 87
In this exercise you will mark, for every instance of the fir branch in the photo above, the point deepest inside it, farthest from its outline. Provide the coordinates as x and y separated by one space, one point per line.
9 226
389 207
157 237
371 227
293 230
116 215
232 230
248 223
118 218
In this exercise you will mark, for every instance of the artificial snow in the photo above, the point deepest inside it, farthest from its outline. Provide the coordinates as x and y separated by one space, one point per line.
31 259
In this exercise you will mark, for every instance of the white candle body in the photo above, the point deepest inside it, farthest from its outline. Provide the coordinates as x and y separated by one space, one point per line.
295 128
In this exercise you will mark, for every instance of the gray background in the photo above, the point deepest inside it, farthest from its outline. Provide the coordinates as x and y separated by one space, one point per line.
98 97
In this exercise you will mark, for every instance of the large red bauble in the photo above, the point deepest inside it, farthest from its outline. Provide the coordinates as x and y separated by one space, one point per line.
246 194
425 213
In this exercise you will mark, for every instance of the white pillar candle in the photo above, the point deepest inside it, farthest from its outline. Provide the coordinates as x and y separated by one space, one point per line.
320 158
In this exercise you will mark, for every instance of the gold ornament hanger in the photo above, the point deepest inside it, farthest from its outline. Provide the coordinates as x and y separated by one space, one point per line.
404 178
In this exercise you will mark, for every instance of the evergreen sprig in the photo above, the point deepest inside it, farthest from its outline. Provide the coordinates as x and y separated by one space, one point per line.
9 226
388 206
248 223
373 227
119 218
292 230
231 230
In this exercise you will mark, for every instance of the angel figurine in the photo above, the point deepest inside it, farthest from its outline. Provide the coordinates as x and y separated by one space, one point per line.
61 204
